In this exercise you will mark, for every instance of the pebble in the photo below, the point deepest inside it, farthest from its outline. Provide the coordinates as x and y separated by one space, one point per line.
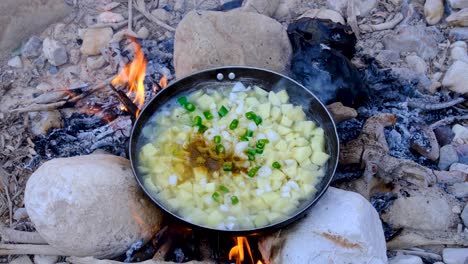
42 122
464 215
324 14
459 189
94 39
456 209
40 61
459 18
95 62
385 57
433 11
459 167
362 7
455 255
53 69
143 33
161 14
460 132
32 48
109 6
264 7
42 259
459 33
462 151
456 78
448 156
22 260
110 17
340 112
416 63
15 62
75 56
20 213
45 87
54 52
458 4
405 259
458 51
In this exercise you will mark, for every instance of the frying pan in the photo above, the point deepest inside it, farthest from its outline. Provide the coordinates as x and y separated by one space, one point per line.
228 76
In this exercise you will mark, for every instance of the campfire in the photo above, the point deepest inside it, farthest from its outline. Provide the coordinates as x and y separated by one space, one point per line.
391 74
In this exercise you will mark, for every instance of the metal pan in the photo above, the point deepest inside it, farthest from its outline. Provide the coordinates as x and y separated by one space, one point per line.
266 79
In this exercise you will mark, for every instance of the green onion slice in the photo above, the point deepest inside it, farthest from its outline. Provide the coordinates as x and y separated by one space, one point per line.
223 188
258 120
220 149
243 138
250 115
253 171
217 139
276 165
251 151
228 166
208 115
234 124
189 107
248 133
182 100
234 200
202 128
216 196
251 157
259 151
197 120
223 111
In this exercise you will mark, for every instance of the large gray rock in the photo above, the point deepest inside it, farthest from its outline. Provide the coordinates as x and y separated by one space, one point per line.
458 3
448 156
455 255
420 39
464 215
459 189
54 52
342 227
405 259
94 39
459 33
455 78
32 48
206 39
22 260
264 7
90 206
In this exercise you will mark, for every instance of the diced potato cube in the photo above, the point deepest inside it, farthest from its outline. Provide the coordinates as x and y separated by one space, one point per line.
274 99
259 91
200 173
260 220
270 197
291 170
214 218
308 189
210 187
204 101
174 203
275 113
286 108
319 158
290 137
274 217
285 121
318 132
281 145
195 95
186 186
318 143
263 110
300 142
296 114
251 101
184 196
301 153
304 127
283 96
149 151
282 130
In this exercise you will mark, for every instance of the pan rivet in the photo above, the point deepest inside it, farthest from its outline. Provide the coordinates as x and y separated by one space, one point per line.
220 76
231 75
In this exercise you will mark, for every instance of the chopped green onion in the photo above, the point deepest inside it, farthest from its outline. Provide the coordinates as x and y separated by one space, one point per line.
197 121
217 139
220 149
223 188
182 100
260 145
253 171
258 120
251 157
189 107
248 133
259 151
228 166
208 115
202 128
223 111
250 115
234 200
264 141
276 165
234 124
243 138
251 151
216 196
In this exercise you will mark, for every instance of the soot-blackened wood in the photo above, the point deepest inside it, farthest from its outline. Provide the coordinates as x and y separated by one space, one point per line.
127 102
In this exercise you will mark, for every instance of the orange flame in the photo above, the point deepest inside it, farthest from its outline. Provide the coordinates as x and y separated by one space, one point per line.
163 82
133 75
237 251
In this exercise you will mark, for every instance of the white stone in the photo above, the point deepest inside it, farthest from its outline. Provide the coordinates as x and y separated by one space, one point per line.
22 260
41 259
54 52
264 7
362 7
42 122
458 51
94 39
460 132
458 4
416 63
143 33
405 259
455 255
15 62
464 215
325 14
459 18
110 17
456 78
95 62
342 227
20 213
93 199
161 14
459 167
433 11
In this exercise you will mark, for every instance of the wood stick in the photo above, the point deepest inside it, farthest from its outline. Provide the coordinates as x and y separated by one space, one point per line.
116 26
22 237
39 107
3 178
91 260
130 15
447 120
140 7
435 106
28 249
386 25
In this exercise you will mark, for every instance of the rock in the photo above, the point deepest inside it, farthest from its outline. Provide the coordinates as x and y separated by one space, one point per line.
143 33
405 259
261 43
459 167
416 64
325 14
20 213
459 18
464 215
95 62
407 212
458 51
459 189
41 259
444 135
411 76
263 7
109 6
75 56
424 141
459 33
40 61
455 255
456 78
323 237
32 48
15 62
386 57
458 4
460 132
110 17
94 39
42 122
362 7
70 197
340 112
420 39
54 52
22 260
433 11
462 151
448 156
44 87
162 14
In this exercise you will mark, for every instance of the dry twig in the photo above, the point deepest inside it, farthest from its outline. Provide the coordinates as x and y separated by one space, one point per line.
141 7
386 25
28 249
130 15
116 26
91 260
447 121
4 180
435 106
14 236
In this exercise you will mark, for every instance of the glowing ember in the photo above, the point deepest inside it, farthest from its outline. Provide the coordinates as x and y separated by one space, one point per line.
133 75
163 82
237 251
